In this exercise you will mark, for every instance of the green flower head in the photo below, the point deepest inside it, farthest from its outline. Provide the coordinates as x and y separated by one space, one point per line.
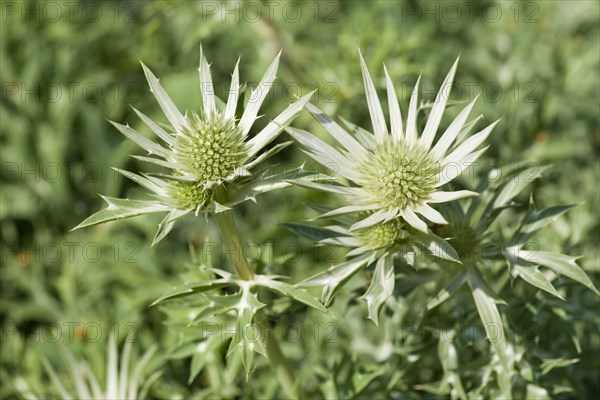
394 173
206 153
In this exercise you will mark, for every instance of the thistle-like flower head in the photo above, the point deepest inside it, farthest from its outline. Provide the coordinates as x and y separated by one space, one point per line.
395 173
209 154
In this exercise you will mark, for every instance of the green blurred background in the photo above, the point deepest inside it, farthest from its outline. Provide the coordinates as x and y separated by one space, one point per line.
67 67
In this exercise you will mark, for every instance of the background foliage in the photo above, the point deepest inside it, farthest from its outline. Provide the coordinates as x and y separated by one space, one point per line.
66 67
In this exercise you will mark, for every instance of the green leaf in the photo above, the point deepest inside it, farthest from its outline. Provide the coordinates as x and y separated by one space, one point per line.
360 381
335 277
216 305
501 198
450 364
437 246
485 302
562 264
536 220
247 338
549 364
449 288
309 232
296 293
266 183
122 208
447 351
536 392
167 224
202 352
532 275
195 287
437 388
382 286
516 183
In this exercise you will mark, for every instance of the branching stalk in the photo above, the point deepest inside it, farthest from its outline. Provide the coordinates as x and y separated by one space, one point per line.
241 266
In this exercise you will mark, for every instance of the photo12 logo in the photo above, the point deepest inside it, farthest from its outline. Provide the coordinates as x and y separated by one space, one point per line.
69 11
269 11
68 332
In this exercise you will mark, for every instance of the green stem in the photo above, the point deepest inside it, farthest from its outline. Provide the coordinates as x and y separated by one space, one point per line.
280 364
241 266
234 244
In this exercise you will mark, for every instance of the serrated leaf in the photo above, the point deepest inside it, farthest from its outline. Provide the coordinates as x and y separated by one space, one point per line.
122 208
449 288
501 198
217 304
296 293
195 287
247 338
266 183
540 218
167 224
532 275
382 286
560 263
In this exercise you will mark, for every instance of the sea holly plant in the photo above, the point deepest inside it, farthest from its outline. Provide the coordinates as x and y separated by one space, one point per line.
388 179
210 159
404 207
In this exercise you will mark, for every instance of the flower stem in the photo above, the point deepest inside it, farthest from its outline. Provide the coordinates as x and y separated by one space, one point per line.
241 266
234 244
280 364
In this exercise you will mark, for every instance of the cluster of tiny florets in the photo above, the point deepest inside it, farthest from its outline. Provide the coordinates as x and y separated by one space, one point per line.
383 234
189 194
399 175
211 149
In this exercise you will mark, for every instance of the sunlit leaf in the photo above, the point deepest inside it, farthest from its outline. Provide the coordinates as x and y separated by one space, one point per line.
122 208
381 288
560 263
332 279
532 275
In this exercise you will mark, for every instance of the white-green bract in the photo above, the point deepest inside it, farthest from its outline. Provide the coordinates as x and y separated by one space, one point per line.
205 152
395 173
